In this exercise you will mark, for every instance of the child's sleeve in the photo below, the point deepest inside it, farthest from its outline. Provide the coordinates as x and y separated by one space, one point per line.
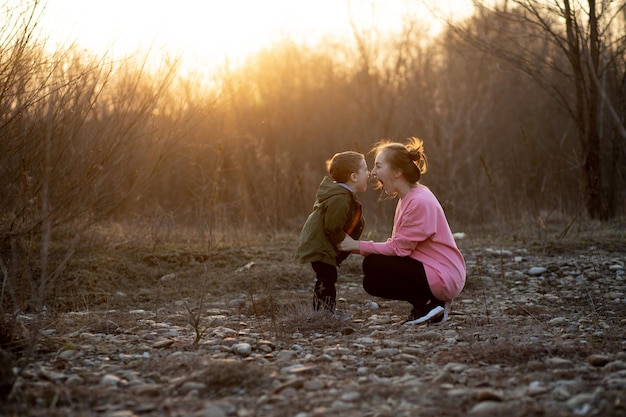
337 212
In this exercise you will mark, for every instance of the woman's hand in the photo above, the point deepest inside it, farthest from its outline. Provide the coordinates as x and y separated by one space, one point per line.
348 245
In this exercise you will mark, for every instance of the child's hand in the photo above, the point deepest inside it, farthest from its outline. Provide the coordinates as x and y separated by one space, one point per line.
348 245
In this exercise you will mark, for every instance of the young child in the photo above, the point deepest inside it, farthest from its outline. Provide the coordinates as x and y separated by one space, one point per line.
336 213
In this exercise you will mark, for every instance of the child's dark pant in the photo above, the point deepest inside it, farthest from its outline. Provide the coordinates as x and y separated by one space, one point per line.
396 278
325 292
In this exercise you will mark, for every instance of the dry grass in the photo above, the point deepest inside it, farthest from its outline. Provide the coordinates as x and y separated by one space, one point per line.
260 286
300 317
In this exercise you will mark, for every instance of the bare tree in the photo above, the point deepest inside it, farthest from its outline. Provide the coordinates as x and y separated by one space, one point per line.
575 50
74 132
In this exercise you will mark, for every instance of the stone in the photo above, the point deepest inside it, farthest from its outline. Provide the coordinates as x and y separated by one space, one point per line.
110 380
163 344
488 408
536 270
598 360
243 349
558 321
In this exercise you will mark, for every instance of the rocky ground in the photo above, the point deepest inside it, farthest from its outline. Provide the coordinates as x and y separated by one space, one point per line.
540 330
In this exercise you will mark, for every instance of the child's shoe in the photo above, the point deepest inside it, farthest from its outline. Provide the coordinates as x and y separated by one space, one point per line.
327 305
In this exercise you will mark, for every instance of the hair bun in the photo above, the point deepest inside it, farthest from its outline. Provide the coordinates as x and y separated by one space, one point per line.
415 154
415 148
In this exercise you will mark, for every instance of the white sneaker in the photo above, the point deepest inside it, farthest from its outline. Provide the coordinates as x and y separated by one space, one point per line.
444 317
424 314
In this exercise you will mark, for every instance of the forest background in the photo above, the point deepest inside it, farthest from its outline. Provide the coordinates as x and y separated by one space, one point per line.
521 106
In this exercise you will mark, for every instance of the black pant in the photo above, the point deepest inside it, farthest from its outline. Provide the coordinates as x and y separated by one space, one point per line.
396 278
325 292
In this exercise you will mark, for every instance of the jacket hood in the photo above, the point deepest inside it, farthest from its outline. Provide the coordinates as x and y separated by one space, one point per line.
329 188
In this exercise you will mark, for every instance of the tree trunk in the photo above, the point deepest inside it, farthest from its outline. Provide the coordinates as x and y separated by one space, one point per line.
598 196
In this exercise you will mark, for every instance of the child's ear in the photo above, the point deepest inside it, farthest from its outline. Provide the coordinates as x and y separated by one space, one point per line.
354 177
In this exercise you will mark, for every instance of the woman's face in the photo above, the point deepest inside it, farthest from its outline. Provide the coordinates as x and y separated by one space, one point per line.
385 173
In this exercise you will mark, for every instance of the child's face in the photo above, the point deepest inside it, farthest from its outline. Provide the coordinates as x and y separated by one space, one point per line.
362 176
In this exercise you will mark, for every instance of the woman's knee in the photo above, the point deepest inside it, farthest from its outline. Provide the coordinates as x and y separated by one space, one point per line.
369 285
371 264
371 274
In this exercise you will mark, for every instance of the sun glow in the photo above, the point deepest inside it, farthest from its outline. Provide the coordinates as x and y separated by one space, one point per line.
205 33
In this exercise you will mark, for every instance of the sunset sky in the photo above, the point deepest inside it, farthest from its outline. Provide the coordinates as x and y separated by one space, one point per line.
205 32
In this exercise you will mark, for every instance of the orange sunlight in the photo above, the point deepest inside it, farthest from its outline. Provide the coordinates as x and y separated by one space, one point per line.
205 33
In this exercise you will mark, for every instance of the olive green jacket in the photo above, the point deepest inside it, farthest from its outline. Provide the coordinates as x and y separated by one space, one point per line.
333 213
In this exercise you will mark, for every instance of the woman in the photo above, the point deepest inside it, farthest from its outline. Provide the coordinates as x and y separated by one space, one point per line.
420 262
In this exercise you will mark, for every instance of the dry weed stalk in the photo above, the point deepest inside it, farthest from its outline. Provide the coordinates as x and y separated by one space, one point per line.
194 317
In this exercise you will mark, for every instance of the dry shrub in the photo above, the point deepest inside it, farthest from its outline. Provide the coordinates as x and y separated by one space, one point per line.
12 334
301 317
7 376
265 305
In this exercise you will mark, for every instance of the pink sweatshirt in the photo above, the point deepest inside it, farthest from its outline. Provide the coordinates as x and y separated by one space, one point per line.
421 231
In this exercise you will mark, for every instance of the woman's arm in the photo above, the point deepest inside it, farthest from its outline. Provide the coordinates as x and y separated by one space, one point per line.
413 223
